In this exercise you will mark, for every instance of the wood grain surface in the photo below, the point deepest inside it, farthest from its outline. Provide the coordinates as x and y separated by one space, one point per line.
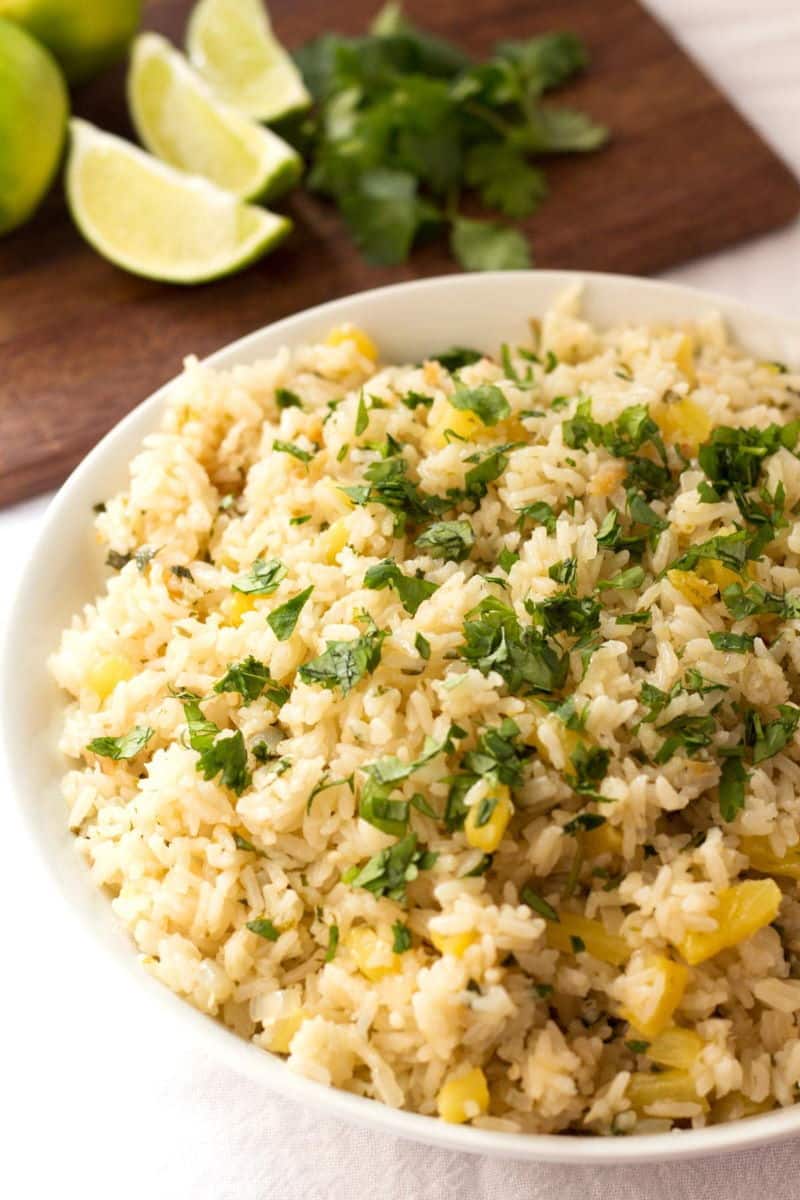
81 342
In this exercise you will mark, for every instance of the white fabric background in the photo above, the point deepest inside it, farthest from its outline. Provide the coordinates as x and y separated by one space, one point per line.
102 1105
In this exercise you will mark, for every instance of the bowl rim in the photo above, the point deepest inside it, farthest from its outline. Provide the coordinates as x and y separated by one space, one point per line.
243 1056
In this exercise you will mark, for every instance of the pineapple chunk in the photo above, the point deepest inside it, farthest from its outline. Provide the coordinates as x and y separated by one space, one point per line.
666 1087
663 986
460 421
682 421
684 357
741 911
763 859
284 1029
605 839
568 738
694 589
608 947
454 943
333 540
373 953
104 675
676 1047
240 603
717 573
736 1105
351 333
488 835
463 1098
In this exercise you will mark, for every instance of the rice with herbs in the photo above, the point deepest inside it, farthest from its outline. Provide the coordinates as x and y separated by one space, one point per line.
437 727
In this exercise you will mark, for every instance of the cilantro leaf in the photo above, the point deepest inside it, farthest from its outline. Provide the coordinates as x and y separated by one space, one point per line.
219 753
411 590
486 401
389 871
262 579
127 746
505 179
422 646
285 398
249 678
283 619
333 943
631 577
734 643
494 640
263 928
401 938
294 450
488 246
451 540
456 357
767 738
540 512
344 664
732 784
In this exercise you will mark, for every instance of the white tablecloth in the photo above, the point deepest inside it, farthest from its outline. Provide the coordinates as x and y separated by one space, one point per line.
101 1104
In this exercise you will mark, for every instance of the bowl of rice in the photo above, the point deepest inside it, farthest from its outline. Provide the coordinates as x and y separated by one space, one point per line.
412 709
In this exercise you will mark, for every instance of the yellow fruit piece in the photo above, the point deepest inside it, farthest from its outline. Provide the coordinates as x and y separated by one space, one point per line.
741 911
608 947
736 1105
463 1098
715 571
283 1031
676 1047
605 839
568 738
684 357
351 333
694 589
682 421
460 421
662 991
454 943
665 1087
762 858
104 675
240 603
488 836
373 954
334 540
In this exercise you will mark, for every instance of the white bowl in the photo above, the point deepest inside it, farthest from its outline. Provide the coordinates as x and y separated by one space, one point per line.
407 320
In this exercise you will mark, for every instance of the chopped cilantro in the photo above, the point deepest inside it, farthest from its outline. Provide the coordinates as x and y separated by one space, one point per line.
506 559
127 746
263 928
250 678
389 871
534 900
182 572
541 513
456 357
768 738
487 402
283 619
732 783
494 640
688 733
262 579
285 398
243 844
413 399
292 448
422 646
735 643
219 753
411 590
343 664
401 938
301 520
362 415
451 540
631 577
333 943
590 765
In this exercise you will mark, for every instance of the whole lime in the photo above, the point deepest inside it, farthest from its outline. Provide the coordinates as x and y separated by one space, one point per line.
84 35
33 122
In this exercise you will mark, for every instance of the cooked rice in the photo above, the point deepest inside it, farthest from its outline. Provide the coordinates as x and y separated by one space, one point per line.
189 863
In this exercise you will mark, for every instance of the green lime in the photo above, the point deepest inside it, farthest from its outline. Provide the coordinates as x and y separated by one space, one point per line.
155 221
231 43
179 118
84 35
33 121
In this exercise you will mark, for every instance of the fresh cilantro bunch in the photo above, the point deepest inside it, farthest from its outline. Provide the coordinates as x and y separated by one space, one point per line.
404 123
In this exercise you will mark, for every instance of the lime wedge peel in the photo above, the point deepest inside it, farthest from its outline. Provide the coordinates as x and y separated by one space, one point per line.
153 220
178 118
232 45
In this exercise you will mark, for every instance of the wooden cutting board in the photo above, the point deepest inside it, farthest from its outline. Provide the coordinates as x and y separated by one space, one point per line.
81 342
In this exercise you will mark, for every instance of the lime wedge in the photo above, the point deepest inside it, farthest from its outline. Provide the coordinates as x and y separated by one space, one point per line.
155 221
179 118
232 44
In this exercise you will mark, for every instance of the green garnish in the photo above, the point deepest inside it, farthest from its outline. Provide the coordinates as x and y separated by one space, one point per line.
344 664
541 513
451 540
494 640
262 579
283 619
768 738
285 398
263 928
401 940
732 784
735 643
292 448
243 844
333 943
422 646
389 871
219 753
250 678
534 900
410 589
128 745
362 416
487 402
